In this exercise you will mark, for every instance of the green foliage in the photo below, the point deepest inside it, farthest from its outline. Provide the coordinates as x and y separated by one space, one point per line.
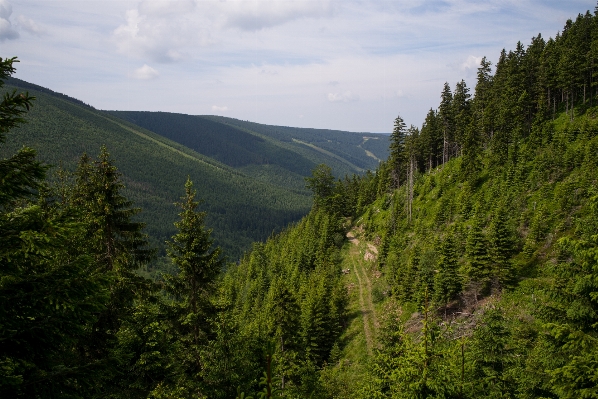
240 208
498 228
572 311
348 149
486 241
50 295
447 282
290 289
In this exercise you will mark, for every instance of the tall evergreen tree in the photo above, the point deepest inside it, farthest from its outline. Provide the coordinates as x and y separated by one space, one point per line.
492 354
49 297
446 115
501 247
322 184
477 269
483 103
462 116
398 156
192 252
119 248
431 140
571 311
447 282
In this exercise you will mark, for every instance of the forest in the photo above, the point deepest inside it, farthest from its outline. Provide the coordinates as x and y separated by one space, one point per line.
250 178
464 266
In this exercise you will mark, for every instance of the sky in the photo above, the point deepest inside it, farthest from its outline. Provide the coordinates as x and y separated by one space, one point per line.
331 64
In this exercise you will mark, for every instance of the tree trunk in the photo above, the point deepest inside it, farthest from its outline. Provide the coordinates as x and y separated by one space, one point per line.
444 148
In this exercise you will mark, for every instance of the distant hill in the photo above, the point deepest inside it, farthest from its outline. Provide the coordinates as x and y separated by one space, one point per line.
240 209
251 184
276 154
364 149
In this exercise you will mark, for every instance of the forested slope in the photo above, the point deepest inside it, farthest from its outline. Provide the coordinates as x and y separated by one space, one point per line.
472 266
241 209
278 154
349 146
471 269
485 224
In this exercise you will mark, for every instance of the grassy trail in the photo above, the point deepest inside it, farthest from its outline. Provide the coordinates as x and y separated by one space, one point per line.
361 272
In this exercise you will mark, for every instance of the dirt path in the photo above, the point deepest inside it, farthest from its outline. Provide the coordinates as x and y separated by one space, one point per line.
365 293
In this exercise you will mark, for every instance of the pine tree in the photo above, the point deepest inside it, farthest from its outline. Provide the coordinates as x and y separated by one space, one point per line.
119 248
570 311
491 353
198 262
284 313
482 104
117 241
49 297
446 115
422 369
21 174
398 156
431 140
501 247
477 269
322 184
462 116
447 282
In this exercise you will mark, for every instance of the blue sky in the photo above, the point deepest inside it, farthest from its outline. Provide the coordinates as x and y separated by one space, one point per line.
348 65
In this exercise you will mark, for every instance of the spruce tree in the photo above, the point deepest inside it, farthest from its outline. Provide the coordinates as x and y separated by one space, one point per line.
192 251
492 355
462 117
446 115
322 184
118 241
501 247
49 297
483 103
447 282
398 156
477 268
570 311
119 248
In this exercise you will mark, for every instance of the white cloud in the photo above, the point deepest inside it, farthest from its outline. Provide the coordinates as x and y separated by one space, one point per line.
216 108
310 52
146 72
472 63
6 30
5 9
149 35
169 30
469 68
345 97
260 14
29 25
165 8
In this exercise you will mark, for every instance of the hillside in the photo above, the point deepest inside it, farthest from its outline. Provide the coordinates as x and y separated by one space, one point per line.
465 266
276 154
252 182
471 262
240 209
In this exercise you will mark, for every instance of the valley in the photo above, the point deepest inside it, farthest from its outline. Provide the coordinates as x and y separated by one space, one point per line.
252 183
458 259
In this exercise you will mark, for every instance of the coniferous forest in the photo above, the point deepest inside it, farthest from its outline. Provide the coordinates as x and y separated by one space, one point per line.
464 266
